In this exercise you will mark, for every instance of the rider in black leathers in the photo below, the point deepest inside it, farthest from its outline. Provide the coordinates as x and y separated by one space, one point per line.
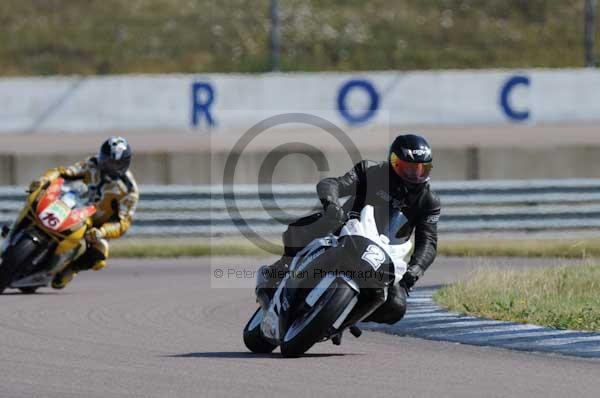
401 183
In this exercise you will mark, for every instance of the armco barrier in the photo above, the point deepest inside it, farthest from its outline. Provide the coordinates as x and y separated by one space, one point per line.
473 206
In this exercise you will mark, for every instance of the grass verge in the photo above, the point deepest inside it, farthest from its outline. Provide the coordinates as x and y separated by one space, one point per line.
555 248
563 297
587 248
141 249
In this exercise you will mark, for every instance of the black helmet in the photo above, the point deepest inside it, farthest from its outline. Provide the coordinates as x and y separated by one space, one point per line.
410 158
114 157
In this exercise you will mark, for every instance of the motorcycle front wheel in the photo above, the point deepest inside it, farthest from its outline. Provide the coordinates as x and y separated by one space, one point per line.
253 336
13 259
312 326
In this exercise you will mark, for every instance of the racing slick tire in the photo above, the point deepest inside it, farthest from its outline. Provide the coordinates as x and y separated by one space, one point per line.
310 328
13 259
253 336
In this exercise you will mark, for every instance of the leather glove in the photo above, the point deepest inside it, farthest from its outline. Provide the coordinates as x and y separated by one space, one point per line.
412 275
334 212
94 235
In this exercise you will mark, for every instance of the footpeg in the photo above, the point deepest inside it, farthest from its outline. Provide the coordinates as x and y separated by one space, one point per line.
5 231
337 339
355 331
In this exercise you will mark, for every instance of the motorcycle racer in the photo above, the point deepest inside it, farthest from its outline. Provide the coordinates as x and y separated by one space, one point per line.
113 189
401 182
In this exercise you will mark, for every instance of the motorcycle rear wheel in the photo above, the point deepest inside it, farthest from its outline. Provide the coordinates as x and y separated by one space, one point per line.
304 332
13 259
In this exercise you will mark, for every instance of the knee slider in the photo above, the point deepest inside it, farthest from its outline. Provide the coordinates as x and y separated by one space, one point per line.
102 248
396 308
99 265
94 257
99 255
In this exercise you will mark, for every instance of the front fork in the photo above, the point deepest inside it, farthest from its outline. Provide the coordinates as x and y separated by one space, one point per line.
366 307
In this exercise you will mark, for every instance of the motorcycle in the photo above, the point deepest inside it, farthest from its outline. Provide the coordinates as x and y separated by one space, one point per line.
332 284
46 237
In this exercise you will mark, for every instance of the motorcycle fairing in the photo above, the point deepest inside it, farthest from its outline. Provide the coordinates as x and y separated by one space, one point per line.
367 228
314 249
42 278
56 264
76 217
51 195
54 215
364 231
57 209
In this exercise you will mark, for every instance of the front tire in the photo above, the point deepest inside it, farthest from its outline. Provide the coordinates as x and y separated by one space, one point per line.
13 259
253 336
307 330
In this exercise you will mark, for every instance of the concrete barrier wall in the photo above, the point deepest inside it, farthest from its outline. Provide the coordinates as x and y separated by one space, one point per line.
206 168
224 102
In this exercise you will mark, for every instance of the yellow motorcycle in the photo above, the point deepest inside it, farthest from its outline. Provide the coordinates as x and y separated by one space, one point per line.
46 237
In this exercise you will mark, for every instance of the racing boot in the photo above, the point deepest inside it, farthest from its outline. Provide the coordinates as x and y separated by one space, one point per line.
336 339
91 259
63 278
355 331
267 279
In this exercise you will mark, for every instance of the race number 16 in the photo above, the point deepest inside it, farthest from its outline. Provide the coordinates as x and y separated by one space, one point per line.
50 220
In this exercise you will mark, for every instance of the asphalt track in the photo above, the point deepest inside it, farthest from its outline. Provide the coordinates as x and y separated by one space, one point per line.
160 328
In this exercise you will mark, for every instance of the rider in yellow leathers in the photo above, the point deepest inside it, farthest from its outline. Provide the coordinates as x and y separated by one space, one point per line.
113 190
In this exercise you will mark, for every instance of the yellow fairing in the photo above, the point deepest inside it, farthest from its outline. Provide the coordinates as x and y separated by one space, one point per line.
66 243
34 195
71 241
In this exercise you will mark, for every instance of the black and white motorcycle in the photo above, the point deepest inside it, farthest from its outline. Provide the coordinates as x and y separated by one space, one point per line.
332 284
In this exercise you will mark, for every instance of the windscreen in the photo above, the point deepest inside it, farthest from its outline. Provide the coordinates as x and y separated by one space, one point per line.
392 223
74 194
